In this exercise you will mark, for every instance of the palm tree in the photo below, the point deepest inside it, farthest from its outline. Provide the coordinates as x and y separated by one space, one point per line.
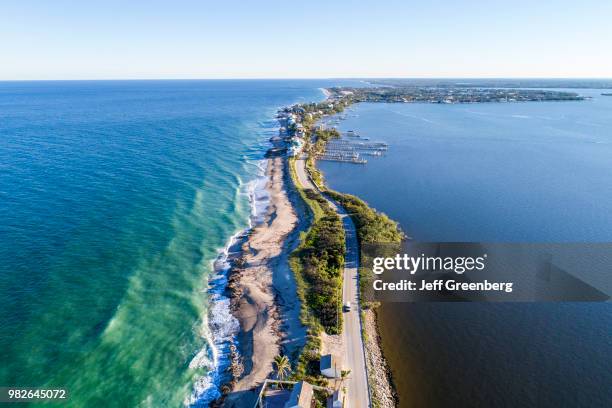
282 367
343 377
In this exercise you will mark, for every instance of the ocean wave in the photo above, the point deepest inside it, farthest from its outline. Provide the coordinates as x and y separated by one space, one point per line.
220 327
258 195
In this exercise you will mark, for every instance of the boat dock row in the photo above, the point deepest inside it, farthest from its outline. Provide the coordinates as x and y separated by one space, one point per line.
343 144
351 150
342 158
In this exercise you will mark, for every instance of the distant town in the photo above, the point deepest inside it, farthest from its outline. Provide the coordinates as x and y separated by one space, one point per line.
515 83
449 94
298 121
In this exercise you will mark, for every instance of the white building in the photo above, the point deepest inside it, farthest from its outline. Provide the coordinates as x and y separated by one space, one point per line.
331 366
295 146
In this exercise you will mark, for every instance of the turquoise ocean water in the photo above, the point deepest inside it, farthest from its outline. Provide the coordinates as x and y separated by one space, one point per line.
115 199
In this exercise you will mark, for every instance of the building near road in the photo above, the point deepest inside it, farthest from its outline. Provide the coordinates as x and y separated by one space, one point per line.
337 400
301 396
295 146
331 366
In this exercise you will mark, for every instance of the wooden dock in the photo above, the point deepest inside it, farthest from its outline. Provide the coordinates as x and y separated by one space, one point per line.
351 149
342 159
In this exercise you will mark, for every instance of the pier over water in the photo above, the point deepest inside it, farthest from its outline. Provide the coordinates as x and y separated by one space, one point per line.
351 150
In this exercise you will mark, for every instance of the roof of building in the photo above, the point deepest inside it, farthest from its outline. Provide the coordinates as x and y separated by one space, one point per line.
330 361
301 395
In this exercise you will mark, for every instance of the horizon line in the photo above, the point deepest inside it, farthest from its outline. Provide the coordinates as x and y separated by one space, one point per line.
308 78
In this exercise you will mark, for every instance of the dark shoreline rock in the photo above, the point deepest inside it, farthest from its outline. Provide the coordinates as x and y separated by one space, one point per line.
235 292
379 374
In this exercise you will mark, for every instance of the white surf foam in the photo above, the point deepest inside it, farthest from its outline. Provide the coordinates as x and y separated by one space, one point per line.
220 327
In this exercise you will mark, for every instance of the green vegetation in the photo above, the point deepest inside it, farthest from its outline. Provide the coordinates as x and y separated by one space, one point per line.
282 367
317 265
308 114
320 399
372 226
325 107
321 257
322 136
315 175
458 93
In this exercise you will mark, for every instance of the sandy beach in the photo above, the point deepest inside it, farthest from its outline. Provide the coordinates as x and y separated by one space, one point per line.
263 288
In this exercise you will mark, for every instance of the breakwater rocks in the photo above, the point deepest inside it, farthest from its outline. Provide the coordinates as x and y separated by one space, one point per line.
379 374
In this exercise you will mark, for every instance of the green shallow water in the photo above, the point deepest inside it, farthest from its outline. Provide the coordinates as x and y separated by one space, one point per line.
116 197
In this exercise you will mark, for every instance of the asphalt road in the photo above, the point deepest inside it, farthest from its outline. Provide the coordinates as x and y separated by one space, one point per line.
354 358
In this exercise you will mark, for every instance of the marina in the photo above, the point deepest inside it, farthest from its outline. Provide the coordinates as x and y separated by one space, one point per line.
475 200
351 150
342 158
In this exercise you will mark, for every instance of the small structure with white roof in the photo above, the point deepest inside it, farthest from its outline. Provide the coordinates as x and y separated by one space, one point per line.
331 366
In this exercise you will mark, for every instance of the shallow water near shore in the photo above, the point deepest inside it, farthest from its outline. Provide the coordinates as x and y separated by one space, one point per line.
116 197
526 172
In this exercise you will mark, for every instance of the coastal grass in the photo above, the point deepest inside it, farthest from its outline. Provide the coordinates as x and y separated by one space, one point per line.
317 264
322 136
315 175
372 226
321 259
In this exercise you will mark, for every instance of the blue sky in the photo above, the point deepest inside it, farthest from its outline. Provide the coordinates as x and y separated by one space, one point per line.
274 39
